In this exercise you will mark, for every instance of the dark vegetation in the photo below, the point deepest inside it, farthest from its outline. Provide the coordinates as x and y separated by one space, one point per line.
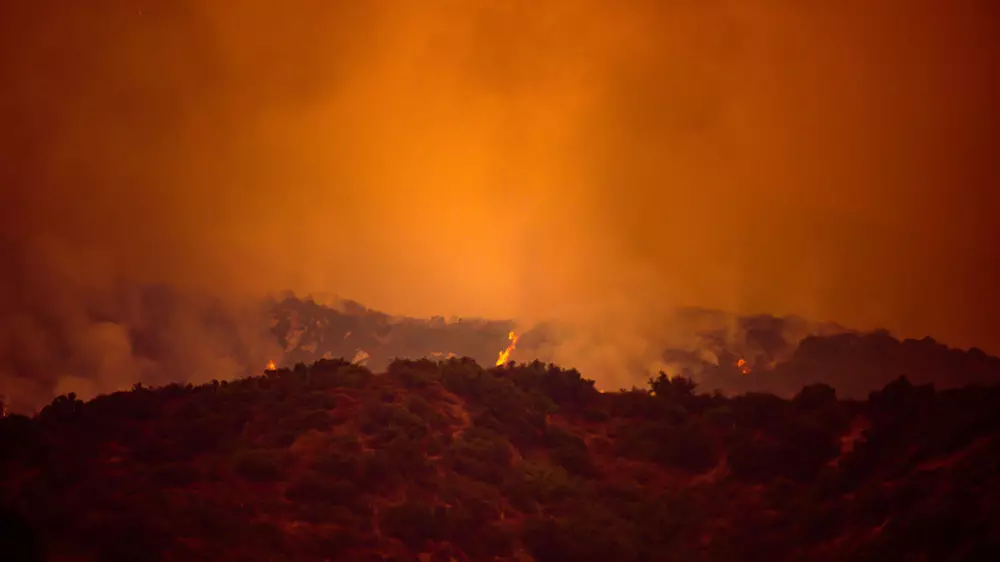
441 461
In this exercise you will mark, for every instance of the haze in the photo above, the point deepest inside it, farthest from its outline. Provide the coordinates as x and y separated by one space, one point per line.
587 160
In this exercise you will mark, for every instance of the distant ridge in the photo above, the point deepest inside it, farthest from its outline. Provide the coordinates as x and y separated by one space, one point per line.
779 354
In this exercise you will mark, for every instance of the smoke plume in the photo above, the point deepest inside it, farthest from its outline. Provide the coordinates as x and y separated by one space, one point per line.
590 161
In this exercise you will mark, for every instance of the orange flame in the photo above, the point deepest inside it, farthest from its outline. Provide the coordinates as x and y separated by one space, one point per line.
271 366
505 354
744 366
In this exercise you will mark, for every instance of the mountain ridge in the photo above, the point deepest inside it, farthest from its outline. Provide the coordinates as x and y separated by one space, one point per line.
778 354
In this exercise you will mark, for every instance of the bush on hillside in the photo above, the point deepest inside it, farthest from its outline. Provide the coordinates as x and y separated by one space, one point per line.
386 422
565 388
414 523
328 373
415 374
481 454
690 447
306 420
569 451
592 534
633 403
312 487
260 465
920 481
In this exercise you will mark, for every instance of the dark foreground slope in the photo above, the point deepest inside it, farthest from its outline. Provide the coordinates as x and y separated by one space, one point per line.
448 461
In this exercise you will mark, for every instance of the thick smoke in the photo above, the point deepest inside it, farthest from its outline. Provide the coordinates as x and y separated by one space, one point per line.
598 163
66 326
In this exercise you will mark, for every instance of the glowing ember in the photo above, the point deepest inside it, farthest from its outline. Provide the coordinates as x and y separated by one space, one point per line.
743 366
271 366
505 354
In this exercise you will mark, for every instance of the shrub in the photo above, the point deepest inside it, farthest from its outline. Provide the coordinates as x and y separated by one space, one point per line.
316 400
388 421
588 535
815 396
279 439
133 539
807 447
632 403
376 470
481 454
420 407
675 388
267 535
689 447
260 465
176 475
339 464
406 457
595 415
204 434
754 459
314 488
413 523
415 374
488 542
327 373
319 420
19 435
574 460
720 417
563 387
542 483
325 543
569 451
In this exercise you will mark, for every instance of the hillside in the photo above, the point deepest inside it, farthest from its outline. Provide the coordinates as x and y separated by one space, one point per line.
308 331
155 335
450 461
779 354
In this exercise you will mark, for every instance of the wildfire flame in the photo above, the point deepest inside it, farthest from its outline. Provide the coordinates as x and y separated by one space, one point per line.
744 366
271 366
360 357
505 354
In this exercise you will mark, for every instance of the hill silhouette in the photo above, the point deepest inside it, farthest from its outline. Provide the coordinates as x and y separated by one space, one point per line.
780 354
155 335
450 461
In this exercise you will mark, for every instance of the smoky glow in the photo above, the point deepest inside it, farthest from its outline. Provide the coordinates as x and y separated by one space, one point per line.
600 163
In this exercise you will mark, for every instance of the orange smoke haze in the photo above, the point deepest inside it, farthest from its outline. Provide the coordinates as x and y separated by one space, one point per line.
587 160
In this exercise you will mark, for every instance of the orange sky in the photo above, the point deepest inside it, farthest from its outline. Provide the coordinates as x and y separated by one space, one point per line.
585 159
